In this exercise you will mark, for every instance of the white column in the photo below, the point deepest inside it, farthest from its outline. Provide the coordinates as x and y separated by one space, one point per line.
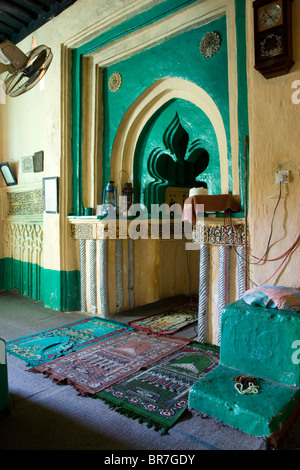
204 269
103 277
82 275
130 273
241 271
93 276
119 275
224 283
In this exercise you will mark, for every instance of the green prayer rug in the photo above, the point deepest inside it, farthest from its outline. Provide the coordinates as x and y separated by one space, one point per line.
170 321
47 345
159 394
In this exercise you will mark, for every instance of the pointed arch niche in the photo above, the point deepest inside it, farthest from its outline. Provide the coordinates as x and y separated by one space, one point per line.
144 108
85 60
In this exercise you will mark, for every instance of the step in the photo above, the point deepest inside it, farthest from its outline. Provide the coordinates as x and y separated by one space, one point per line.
261 341
258 414
4 397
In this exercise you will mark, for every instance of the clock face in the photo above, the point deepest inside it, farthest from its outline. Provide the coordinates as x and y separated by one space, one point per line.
270 16
273 37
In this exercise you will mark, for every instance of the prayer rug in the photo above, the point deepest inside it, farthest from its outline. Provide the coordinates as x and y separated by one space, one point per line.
47 345
159 395
170 321
96 367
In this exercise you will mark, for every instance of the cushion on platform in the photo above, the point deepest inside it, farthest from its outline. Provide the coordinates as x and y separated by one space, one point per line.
283 298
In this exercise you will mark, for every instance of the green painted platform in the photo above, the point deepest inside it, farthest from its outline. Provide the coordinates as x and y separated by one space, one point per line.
4 396
256 342
258 414
259 340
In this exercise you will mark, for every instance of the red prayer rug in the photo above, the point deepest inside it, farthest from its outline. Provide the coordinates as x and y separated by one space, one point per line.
96 367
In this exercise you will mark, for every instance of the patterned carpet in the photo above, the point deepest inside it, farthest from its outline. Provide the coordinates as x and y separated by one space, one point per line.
170 321
47 345
96 367
159 394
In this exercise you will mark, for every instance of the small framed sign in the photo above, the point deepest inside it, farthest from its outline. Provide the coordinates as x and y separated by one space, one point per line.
7 174
50 195
38 161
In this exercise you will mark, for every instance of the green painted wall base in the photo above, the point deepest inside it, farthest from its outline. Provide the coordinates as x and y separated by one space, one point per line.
257 414
257 342
58 290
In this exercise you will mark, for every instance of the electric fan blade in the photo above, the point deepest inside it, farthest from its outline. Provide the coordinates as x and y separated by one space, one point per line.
19 83
12 54
6 68
12 83
22 80
37 64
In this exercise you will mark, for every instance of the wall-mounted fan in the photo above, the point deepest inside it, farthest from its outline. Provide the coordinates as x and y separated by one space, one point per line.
25 70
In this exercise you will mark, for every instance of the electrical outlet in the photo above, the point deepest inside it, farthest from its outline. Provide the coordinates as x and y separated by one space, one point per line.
282 176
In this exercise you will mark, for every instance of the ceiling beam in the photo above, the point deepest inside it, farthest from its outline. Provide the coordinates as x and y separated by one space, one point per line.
16 10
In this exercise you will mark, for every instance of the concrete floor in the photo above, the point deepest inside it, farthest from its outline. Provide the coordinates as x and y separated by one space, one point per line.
20 316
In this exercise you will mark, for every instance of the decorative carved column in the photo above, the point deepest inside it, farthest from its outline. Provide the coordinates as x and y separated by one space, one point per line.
119 275
224 283
103 277
208 235
82 275
204 270
105 249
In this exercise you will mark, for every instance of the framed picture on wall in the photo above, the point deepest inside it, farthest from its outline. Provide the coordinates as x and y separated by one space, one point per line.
50 195
38 161
7 174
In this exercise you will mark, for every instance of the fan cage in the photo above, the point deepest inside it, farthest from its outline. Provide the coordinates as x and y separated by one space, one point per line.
22 80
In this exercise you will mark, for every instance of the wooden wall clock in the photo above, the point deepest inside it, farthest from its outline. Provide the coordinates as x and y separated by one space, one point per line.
273 37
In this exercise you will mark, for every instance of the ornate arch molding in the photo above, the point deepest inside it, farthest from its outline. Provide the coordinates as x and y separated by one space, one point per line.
141 111
83 60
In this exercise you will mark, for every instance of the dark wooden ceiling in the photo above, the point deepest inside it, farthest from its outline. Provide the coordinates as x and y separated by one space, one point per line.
19 18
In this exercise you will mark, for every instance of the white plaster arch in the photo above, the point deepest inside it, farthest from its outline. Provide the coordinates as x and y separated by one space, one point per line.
139 113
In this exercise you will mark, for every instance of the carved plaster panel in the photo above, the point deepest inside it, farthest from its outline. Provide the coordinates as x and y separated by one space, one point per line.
23 241
219 234
23 203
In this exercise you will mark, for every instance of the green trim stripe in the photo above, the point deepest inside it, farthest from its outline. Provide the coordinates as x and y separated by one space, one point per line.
59 290
240 7
132 24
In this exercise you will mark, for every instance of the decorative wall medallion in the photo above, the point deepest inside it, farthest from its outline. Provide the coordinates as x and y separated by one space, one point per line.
115 82
210 44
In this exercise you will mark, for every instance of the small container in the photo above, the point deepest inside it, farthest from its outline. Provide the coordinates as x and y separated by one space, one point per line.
127 198
88 211
109 198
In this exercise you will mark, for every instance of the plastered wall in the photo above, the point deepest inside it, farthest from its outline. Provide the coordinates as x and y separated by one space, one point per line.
274 145
32 122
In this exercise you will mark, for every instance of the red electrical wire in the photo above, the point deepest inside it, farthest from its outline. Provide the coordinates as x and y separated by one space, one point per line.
260 259
286 254
277 269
